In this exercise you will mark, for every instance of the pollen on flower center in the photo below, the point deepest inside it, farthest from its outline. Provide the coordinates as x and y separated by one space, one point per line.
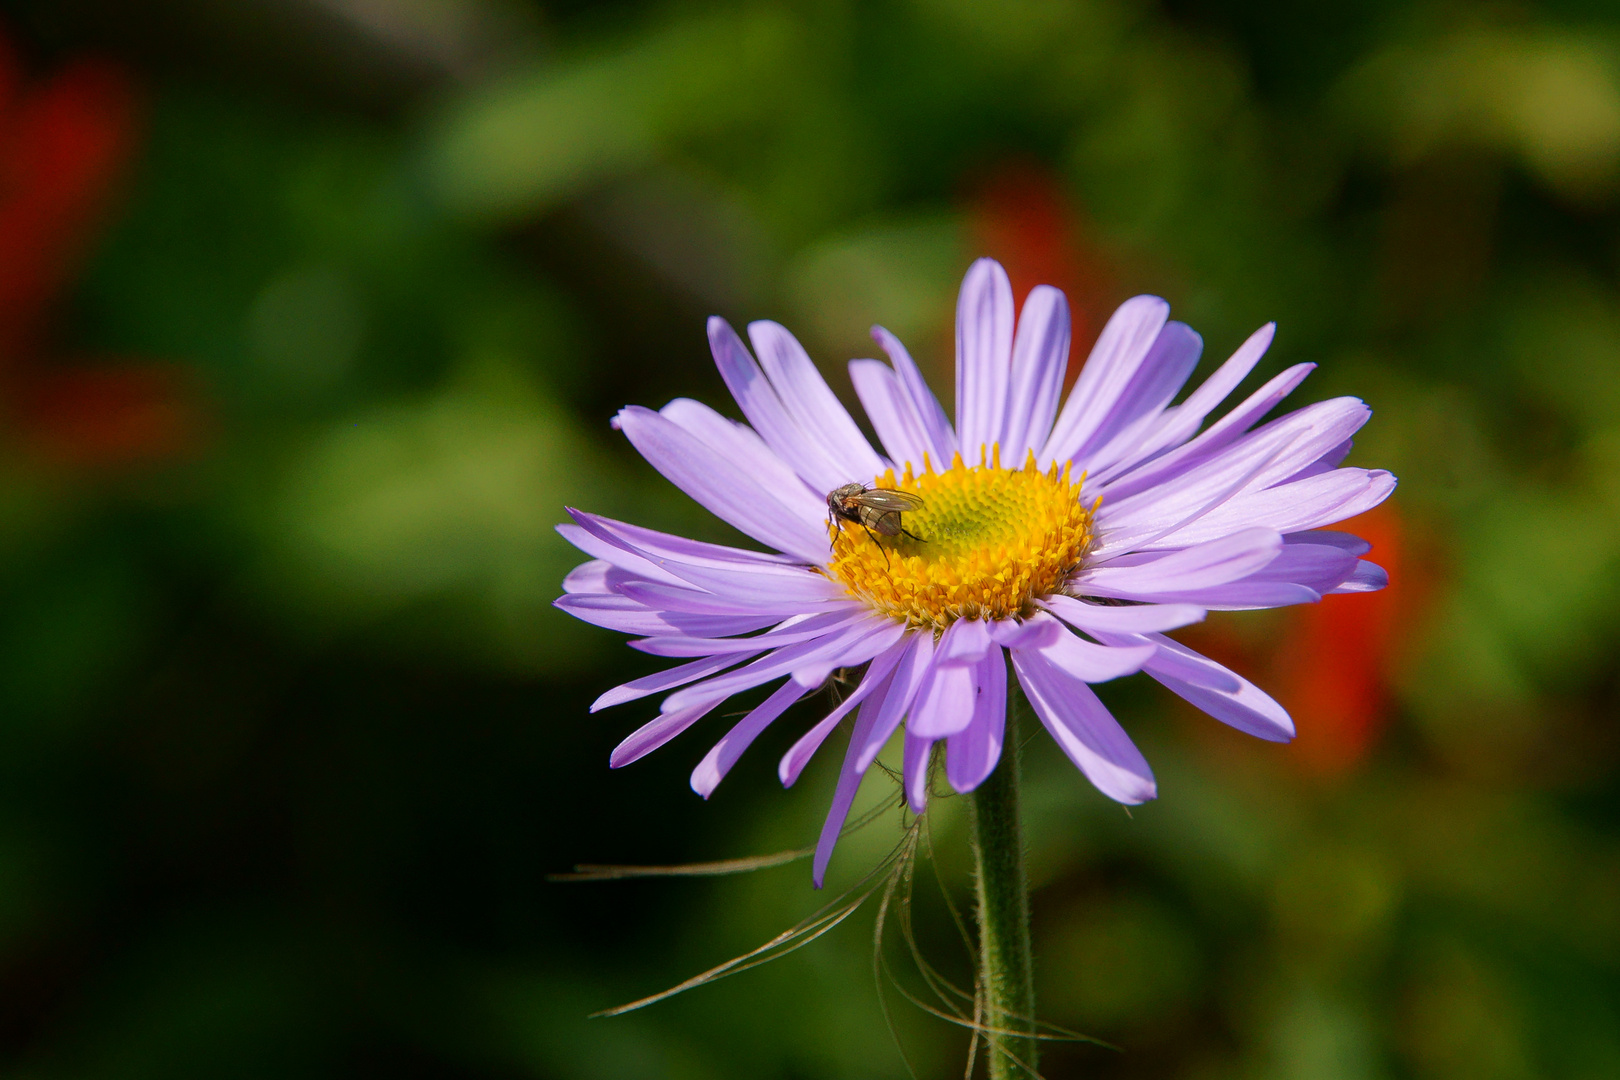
988 541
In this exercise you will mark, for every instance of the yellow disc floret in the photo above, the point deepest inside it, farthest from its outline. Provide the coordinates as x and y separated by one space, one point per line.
984 544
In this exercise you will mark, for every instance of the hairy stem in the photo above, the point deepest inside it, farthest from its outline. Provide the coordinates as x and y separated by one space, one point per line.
1006 968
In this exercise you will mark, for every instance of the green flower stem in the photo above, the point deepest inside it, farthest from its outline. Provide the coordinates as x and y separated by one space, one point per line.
1006 967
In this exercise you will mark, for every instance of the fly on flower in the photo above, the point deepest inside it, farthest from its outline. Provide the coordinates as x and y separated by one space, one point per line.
1065 537
873 509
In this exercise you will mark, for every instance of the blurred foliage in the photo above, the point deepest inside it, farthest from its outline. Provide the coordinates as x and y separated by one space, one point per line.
313 315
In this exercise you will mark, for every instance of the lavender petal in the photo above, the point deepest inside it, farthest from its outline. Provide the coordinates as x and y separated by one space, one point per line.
971 755
699 602
1141 401
1040 357
604 551
1089 662
1119 351
763 407
739 442
874 681
945 702
965 641
913 667
726 488
724 754
1215 562
668 679
1304 504
1220 692
887 406
849 782
1216 437
1366 577
914 770
790 631
1347 542
1135 619
1082 726
941 437
810 402
629 616
650 736
846 646
984 336
1181 423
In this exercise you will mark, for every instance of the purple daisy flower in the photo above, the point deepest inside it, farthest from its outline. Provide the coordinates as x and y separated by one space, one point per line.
1070 540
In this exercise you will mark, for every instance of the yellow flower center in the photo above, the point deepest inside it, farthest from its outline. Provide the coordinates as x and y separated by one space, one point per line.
984 544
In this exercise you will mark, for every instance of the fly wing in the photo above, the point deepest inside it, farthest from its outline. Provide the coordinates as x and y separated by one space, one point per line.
882 522
890 501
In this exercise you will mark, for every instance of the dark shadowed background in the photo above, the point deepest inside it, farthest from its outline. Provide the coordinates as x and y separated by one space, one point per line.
313 314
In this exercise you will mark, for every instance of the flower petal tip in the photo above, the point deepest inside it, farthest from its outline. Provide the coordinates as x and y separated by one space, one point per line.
722 337
1132 791
708 774
1140 305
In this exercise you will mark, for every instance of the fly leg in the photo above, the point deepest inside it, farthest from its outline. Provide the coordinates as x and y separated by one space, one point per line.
876 544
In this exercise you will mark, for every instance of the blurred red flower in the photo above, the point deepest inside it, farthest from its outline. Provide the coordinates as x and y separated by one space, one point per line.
1332 665
65 142
1022 217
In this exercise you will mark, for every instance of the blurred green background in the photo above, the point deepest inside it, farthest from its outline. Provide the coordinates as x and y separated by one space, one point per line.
313 314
